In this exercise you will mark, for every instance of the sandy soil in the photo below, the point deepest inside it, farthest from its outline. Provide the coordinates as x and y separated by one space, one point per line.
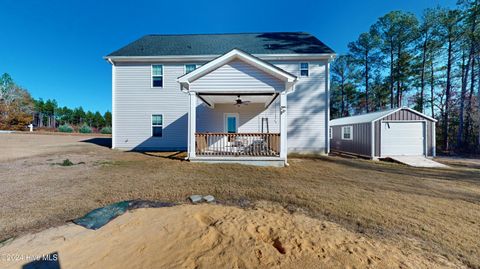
213 236
427 211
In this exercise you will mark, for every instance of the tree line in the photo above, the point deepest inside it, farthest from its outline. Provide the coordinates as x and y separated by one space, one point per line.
430 63
18 109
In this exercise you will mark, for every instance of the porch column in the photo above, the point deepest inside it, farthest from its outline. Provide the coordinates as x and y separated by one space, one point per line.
283 126
192 123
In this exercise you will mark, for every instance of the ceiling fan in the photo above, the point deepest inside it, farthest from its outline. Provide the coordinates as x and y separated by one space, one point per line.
240 102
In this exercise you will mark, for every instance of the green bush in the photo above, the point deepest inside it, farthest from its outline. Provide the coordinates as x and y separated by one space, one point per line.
65 128
66 162
85 129
106 130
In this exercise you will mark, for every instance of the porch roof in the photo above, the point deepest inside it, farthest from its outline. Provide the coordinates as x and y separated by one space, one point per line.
237 54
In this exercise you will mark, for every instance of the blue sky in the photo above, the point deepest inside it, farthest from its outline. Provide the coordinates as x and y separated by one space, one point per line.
55 48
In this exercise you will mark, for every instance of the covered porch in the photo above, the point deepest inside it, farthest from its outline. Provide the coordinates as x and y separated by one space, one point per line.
239 127
238 111
237 124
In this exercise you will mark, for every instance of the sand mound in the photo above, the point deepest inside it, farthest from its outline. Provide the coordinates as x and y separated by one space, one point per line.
211 236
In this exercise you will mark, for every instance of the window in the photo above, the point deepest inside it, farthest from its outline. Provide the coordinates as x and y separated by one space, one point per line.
190 67
157 76
304 69
157 125
330 133
347 133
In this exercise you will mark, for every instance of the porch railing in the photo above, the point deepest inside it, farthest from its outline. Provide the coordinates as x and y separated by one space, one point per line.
237 144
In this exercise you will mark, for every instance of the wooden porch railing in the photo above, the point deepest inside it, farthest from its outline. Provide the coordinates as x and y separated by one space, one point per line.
237 144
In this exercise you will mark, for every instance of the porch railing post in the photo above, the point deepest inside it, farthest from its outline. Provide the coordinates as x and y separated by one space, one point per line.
283 126
192 122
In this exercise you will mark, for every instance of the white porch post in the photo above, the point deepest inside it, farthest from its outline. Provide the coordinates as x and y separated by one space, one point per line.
192 123
283 126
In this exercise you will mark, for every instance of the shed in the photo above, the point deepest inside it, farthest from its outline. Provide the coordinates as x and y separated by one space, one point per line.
394 132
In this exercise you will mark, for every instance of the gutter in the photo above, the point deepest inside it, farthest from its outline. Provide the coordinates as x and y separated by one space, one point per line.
183 58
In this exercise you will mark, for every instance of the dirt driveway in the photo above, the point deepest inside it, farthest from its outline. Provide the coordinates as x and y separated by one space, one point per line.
23 145
434 210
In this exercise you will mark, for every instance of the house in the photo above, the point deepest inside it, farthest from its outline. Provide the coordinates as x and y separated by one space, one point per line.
249 98
393 132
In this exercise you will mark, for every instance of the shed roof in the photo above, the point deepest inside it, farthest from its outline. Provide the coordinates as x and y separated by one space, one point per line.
374 116
217 44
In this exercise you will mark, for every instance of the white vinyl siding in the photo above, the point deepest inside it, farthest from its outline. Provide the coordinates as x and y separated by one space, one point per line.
135 102
237 75
249 117
307 108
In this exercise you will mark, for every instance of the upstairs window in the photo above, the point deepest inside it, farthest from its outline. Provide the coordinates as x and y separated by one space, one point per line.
304 69
157 76
347 133
157 125
190 67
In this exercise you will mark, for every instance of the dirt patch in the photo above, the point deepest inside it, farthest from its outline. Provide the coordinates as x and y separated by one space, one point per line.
213 236
24 145
436 211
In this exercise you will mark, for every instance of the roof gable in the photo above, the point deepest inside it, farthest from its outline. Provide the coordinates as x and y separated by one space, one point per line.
217 44
374 116
237 54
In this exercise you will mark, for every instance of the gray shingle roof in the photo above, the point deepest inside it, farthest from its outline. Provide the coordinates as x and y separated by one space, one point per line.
216 44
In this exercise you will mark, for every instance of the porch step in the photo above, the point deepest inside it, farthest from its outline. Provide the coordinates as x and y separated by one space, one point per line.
257 161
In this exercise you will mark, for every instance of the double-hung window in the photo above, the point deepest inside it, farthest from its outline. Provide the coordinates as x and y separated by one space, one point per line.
157 76
304 69
347 133
190 67
157 125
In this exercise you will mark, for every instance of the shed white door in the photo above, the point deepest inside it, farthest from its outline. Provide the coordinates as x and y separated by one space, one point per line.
402 138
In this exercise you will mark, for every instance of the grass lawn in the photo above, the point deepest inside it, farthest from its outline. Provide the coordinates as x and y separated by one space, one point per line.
437 210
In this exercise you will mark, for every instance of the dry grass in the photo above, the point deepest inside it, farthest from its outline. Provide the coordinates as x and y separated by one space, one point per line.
436 209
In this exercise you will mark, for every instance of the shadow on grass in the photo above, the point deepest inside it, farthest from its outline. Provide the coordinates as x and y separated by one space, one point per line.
100 141
177 155
449 174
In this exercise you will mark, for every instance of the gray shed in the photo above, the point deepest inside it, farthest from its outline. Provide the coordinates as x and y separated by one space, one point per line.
399 131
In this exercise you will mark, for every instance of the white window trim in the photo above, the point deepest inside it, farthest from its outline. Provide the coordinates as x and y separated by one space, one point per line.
225 115
351 132
151 124
151 77
185 67
300 68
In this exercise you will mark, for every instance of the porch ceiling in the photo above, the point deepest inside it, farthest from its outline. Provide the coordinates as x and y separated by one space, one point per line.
230 98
